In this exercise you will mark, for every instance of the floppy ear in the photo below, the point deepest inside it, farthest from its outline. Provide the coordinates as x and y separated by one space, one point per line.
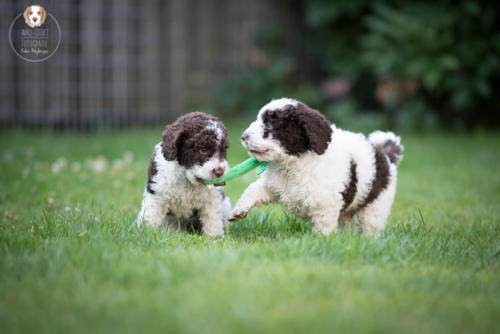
316 127
171 139
25 14
44 15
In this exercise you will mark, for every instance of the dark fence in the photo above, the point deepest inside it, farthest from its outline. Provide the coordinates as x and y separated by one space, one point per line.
126 62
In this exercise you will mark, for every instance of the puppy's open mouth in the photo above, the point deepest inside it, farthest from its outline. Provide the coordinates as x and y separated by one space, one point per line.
258 152
200 181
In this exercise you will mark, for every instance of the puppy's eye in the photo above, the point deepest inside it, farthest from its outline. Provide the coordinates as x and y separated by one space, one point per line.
267 123
31 13
203 151
38 13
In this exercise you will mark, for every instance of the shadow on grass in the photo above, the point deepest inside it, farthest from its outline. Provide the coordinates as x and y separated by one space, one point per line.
271 223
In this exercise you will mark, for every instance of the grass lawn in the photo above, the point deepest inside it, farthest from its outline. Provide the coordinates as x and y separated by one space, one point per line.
72 261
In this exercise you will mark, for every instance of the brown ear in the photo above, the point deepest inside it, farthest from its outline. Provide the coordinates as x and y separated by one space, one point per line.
316 127
44 15
171 139
25 14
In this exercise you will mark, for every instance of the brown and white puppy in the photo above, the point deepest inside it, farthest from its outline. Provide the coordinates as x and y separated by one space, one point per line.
35 16
320 172
192 149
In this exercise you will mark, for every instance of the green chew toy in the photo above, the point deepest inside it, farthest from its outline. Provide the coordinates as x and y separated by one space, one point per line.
239 170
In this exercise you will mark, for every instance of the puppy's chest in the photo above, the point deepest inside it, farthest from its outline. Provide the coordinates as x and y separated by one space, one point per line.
183 201
294 192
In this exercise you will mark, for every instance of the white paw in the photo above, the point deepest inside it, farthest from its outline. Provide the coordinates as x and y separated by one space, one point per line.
237 215
323 229
214 230
215 234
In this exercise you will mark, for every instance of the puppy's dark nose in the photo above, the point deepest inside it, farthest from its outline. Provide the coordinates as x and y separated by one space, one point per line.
34 19
244 137
218 172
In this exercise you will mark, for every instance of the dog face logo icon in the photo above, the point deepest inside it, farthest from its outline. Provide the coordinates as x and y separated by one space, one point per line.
35 16
35 34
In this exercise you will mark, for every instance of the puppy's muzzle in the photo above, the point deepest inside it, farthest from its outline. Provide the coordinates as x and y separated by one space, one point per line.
218 172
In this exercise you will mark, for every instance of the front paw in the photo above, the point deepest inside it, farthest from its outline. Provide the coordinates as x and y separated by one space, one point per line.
217 235
323 229
237 215
214 232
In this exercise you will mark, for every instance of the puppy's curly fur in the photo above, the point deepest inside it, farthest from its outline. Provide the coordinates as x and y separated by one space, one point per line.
319 172
193 148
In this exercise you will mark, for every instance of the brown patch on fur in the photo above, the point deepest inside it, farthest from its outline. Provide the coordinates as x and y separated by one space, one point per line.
190 142
298 129
393 151
381 179
349 192
152 170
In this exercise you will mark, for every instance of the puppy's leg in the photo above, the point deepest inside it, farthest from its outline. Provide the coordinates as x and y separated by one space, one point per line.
325 220
153 210
226 207
373 217
256 193
211 218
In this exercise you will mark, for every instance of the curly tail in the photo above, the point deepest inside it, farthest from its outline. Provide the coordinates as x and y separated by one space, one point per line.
389 143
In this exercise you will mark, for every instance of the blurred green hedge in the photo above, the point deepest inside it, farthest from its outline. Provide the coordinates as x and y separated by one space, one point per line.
396 64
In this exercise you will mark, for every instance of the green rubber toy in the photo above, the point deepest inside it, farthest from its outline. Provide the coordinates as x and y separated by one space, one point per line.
239 170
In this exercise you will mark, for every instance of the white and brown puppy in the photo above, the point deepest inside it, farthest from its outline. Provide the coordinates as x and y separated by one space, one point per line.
35 16
320 172
193 148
